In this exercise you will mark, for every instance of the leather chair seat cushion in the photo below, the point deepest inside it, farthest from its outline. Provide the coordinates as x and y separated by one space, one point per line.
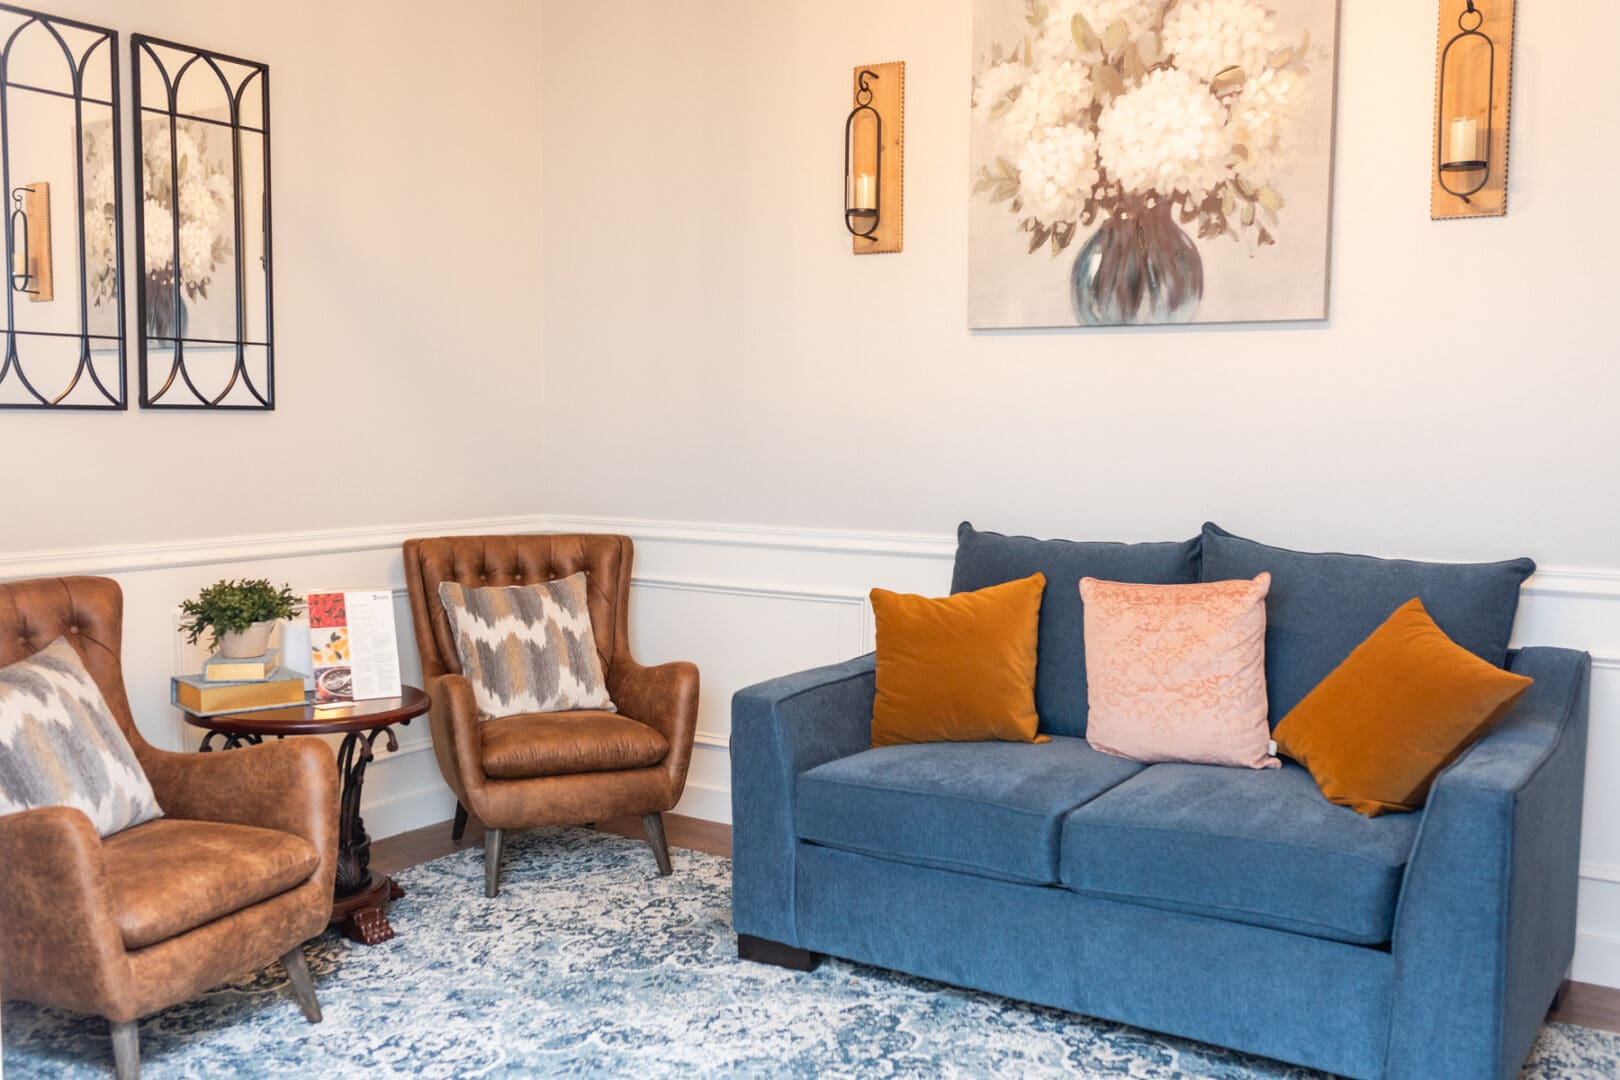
170 876
995 809
1261 847
560 744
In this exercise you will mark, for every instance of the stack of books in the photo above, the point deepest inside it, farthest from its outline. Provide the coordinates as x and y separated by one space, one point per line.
231 685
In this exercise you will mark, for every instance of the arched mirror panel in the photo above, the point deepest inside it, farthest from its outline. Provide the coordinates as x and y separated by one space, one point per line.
203 235
61 177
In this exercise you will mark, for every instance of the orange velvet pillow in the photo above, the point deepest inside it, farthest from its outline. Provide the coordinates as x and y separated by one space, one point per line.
1378 730
960 669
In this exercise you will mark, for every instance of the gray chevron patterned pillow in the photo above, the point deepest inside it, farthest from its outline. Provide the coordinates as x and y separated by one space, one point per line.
527 648
61 746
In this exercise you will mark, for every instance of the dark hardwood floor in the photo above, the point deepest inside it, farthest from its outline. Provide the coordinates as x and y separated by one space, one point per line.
424 845
1589 1006
1583 1004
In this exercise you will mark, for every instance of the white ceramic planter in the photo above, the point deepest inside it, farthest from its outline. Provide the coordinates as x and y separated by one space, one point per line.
239 645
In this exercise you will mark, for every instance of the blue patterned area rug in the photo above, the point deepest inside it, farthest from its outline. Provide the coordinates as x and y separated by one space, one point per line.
588 964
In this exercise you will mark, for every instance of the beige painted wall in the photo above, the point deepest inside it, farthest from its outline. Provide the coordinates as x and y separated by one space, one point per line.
407 231
1458 403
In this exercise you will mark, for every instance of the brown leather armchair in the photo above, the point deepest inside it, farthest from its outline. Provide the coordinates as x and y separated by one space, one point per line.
569 768
237 873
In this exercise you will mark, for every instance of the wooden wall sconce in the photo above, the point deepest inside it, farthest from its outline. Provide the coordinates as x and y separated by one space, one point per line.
1473 83
874 160
29 231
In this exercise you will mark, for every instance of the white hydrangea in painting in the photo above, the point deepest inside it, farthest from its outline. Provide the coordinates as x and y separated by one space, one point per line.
1058 170
1209 36
1167 136
1179 149
100 217
205 203
198 174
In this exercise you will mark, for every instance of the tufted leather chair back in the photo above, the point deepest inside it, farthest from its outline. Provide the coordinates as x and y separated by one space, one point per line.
478 561
89 612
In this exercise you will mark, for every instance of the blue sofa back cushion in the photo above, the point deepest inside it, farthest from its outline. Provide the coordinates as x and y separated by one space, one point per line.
1322 606
984 559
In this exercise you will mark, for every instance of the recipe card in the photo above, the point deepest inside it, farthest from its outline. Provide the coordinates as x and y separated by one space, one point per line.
353 645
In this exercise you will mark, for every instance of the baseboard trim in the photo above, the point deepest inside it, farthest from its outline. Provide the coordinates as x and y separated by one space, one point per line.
1597 959
409 810
705 803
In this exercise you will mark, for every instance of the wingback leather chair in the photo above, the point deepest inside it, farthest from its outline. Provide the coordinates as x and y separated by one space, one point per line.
567 768
237 873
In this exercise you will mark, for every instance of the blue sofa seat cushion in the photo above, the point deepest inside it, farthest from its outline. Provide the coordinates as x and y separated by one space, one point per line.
1321 606
1253 846
984 559
992 809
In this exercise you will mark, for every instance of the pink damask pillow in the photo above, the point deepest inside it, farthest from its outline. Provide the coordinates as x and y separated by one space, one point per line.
1178 672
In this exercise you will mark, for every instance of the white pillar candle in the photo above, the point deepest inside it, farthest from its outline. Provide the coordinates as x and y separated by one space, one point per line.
865 192
1464 140
19 263
295 650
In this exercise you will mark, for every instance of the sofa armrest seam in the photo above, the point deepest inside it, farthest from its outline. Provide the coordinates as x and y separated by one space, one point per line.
774 703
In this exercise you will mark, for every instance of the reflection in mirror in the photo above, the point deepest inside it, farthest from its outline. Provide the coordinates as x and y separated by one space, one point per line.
203 238
60 172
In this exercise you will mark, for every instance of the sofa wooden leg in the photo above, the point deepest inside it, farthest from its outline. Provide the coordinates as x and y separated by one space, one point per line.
493 839
303 987
654 824
126 1040
763 951
459 829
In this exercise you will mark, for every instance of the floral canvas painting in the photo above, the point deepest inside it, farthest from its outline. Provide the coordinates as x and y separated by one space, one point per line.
1150 161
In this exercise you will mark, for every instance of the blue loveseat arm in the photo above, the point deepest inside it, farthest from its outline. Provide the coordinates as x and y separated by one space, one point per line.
780 729
1485 929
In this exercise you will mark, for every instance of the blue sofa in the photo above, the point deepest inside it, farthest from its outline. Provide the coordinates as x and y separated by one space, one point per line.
1231 906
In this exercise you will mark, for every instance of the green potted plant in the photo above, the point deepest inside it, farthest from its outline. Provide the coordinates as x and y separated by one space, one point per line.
239 615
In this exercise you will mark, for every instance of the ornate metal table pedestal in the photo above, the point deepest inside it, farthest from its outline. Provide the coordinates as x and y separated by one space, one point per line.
361 895
362 899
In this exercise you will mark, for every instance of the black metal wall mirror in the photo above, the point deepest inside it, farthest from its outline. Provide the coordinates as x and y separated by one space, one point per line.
61 175
202 197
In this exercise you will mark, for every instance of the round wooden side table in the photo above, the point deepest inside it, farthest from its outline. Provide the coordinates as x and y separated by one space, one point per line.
361 899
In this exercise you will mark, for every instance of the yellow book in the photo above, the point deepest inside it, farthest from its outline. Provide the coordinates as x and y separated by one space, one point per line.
200 697
219 668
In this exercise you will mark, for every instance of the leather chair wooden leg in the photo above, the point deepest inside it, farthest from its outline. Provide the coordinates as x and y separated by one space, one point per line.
460 827
126 1040
654 824
493 839
303 987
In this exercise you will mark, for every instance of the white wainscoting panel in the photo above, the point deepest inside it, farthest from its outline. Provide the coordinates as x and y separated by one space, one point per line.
746 604
737 634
